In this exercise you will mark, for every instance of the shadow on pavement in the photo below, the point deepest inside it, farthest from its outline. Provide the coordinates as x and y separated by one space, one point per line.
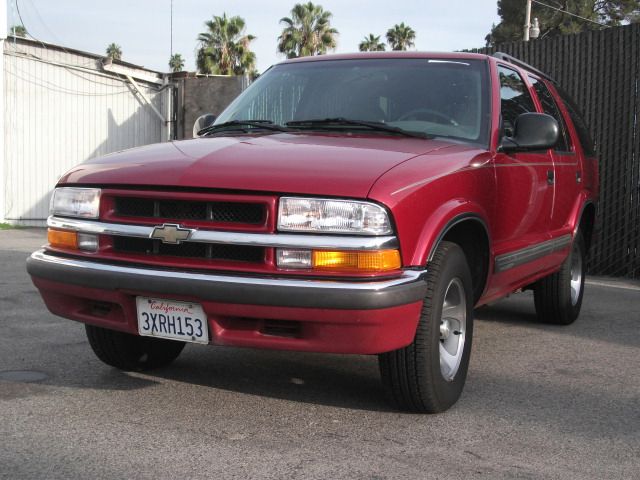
347 381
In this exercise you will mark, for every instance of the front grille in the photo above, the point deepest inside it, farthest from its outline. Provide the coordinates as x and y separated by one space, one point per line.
223 212
236 253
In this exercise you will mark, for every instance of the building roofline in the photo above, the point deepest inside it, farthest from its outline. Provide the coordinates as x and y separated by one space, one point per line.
75 51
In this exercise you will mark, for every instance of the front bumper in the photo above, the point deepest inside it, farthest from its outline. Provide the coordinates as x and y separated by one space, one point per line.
334 316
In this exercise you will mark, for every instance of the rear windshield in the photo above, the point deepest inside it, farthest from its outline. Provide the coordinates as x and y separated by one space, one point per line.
440 97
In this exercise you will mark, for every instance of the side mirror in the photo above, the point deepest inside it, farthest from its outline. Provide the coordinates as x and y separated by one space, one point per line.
203 121
532 131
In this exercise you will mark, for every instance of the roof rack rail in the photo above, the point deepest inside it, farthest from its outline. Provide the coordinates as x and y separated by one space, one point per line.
521 64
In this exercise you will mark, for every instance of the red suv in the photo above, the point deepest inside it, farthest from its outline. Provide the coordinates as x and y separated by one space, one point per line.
359 204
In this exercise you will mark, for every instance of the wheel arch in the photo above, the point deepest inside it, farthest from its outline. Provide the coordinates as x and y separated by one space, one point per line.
586 222
470 231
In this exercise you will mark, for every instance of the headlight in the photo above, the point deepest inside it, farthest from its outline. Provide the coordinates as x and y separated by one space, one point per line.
76 202
332 216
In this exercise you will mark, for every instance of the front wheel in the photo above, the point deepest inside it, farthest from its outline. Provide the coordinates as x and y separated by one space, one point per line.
131 352
558 297
428 376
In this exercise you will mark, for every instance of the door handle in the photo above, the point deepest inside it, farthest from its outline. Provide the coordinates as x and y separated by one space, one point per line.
551 177
578 176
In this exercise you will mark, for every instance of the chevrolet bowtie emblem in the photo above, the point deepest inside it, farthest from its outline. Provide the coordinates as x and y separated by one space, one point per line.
171 233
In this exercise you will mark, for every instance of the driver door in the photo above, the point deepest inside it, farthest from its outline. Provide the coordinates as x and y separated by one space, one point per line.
525 189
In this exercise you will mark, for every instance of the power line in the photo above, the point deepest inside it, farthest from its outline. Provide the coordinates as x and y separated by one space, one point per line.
569 13
70 67
45 26
59 89
20 15
42 22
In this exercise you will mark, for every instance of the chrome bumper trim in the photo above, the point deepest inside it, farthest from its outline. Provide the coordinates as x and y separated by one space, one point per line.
284 240
276 291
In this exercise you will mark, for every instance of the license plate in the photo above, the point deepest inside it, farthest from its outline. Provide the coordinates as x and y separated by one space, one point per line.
173 320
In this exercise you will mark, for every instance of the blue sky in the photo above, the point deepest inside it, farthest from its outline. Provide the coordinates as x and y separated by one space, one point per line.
142 27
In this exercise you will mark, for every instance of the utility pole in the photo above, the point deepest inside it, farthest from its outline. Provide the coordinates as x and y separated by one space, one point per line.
527 21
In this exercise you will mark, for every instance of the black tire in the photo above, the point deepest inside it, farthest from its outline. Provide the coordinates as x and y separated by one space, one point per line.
412 376
553 296
131 352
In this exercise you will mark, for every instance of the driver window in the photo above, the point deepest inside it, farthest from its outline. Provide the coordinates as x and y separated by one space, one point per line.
514 98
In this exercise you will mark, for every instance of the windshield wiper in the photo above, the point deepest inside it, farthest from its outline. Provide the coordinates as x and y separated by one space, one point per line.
383 127
263 124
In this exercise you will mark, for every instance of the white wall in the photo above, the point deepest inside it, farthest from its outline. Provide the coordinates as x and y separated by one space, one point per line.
61 109
3 35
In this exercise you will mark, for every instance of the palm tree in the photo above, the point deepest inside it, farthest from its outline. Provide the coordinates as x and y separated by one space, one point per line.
401 37
18 31
224 48
176 62
307 32
371 44
114 51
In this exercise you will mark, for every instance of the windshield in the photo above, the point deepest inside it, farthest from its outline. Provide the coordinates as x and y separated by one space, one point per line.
438 97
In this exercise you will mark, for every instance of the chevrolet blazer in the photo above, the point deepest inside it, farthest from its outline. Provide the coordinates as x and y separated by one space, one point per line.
355 204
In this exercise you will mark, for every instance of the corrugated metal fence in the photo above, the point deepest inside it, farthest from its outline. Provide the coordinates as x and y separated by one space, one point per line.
61 108
601 70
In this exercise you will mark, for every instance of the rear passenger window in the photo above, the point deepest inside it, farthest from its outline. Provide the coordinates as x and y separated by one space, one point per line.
578 122
550 107
514 98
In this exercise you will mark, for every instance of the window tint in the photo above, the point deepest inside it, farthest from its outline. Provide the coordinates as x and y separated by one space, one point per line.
578 121
514 98
550 107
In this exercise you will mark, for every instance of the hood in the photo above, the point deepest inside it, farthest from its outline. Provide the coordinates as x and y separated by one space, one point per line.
316 164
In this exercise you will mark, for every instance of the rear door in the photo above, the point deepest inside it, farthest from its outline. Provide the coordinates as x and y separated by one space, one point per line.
567 167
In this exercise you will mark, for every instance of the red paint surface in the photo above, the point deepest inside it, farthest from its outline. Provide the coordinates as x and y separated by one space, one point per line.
330 165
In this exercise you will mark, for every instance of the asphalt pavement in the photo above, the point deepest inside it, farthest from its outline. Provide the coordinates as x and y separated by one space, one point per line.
540 401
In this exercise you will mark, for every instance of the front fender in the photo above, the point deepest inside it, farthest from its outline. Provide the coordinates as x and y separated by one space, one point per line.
440 222
452 188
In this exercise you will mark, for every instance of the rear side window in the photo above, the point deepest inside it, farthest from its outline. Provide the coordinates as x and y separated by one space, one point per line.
514 98
550 107
578 121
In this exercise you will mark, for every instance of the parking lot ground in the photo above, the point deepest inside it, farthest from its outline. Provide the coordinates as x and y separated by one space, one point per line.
540 401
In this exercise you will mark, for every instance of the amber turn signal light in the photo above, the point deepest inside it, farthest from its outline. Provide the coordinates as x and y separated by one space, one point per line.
368 261
62 238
